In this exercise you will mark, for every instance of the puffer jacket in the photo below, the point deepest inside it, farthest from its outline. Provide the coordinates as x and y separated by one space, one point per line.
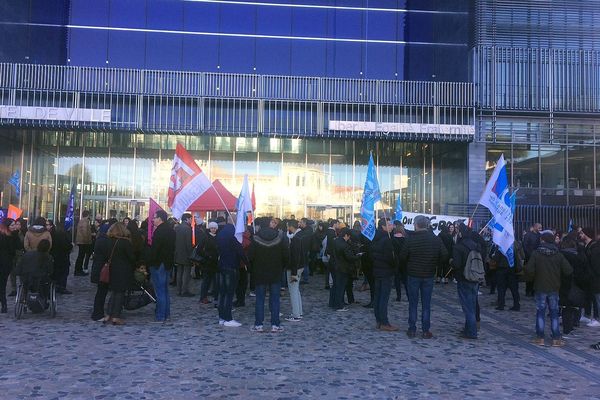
35 234
545 267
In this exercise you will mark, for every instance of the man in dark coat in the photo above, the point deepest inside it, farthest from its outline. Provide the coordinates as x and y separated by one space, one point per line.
467 290
531 241
102 249
231 254
384 268
61 252
183 250
269 255
345 258
423 253
162 253
545 267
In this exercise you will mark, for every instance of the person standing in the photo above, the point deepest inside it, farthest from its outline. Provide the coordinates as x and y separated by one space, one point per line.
61 252
423 253
592 257
531 241
83 239
294 270
7 253
102 251
209 265
269 255
183 251
384 268
545 267
506 278
231 254
162 253
467 290
344 260
121 270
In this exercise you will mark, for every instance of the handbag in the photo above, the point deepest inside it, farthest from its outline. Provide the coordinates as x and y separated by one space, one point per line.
196 256
105 271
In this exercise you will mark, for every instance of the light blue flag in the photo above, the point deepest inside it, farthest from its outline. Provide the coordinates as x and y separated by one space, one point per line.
398 216
15 180
371 195
570 229
70 210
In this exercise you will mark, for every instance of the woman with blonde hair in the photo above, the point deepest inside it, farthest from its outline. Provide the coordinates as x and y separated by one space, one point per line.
122 265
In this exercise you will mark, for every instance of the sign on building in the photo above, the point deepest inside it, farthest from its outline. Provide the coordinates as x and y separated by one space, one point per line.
55 114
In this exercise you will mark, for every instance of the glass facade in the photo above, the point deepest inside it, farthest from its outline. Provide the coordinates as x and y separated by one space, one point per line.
114 174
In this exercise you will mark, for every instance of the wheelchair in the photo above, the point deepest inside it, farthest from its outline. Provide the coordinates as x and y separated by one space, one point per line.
35 295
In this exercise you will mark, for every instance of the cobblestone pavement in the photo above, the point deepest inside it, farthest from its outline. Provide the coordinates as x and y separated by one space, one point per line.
327 355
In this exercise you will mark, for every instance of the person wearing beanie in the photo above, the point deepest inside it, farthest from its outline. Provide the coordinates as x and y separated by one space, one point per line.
545 268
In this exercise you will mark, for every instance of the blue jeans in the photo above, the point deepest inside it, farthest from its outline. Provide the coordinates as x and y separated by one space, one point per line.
414 286
383 287
274 303
541 299
227 282
305 273
208 278
160 281
467 294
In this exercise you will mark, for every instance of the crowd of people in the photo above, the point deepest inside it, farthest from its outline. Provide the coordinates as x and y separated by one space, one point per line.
274 256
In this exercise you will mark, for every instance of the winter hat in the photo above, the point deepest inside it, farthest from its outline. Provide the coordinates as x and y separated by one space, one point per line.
213 224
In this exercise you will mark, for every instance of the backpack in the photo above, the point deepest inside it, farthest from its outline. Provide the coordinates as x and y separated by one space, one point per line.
474 270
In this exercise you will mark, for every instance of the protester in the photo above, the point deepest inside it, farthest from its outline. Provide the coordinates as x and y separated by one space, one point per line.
231 254
506 278
269 255
7 252
83 239
467 290
400 274
571 284
122 265
385 266
18 231
544 268
531 241
209 264
294 269
344 258
162 253
102 249
36 233
423 253
183 251
61 252
591 252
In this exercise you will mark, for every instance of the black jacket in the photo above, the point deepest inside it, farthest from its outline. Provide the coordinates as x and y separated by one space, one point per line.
423 252
61 248
545 267
122 265
345 257
102 249
163 247
592 254
268 255
209 251
384 258
460 253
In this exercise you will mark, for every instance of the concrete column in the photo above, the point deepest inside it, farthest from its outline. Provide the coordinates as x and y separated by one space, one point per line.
476 171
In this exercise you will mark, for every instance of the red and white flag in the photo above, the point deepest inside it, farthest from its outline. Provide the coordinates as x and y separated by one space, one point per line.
187 182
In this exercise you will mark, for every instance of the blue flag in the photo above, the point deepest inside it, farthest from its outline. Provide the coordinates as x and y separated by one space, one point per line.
398 216
371 195
70 210
570 229
15 180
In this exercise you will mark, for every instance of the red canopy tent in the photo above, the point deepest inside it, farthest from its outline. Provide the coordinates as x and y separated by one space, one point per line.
209 201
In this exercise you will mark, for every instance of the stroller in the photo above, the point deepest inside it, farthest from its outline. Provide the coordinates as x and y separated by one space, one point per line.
141 292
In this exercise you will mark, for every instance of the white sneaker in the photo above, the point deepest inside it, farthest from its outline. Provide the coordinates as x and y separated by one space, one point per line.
291 318
593 323
252 294
343 309
221 321
233 323
585 319
257 328
276 329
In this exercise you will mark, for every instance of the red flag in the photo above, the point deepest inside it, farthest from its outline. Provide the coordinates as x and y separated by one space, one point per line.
14 212
253 199
154 207
187 182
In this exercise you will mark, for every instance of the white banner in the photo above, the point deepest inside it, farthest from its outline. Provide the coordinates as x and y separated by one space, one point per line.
55 113
437 221
393 127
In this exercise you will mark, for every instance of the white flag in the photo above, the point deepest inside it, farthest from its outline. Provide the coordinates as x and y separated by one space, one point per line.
244 205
